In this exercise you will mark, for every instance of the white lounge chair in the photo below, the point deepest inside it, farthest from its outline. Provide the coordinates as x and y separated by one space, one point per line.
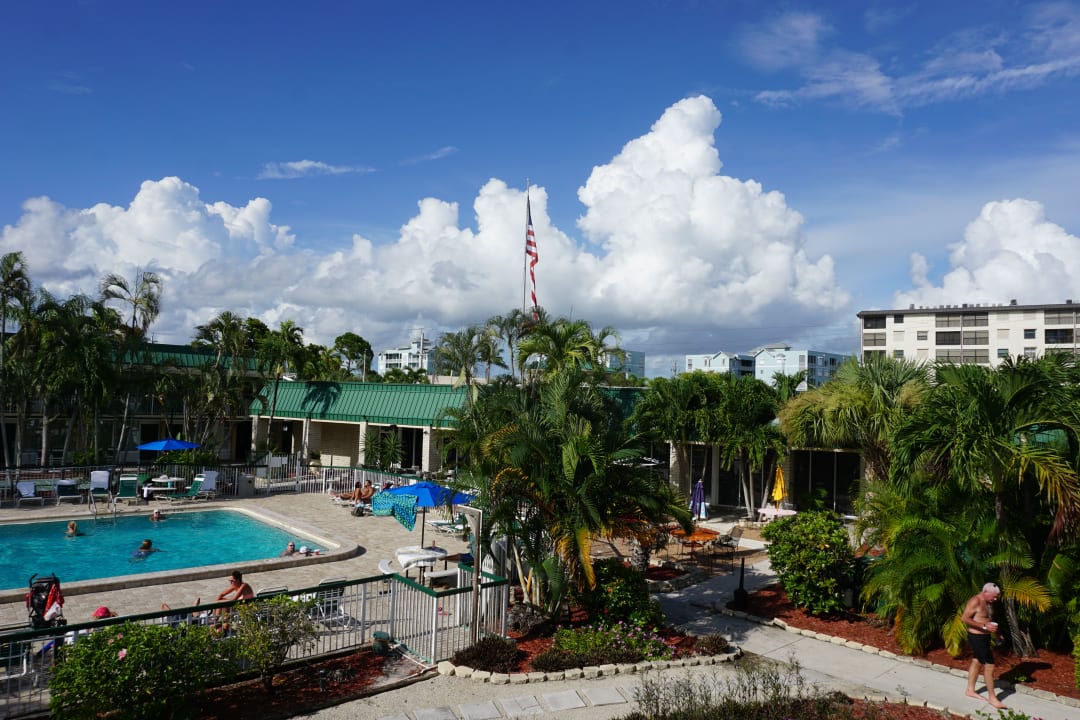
99 485
208 489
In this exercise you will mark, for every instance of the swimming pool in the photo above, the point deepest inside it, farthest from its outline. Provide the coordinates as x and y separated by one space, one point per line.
106 546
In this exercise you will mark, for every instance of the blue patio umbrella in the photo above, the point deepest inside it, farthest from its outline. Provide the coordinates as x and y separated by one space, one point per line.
168 444
697 501
429 495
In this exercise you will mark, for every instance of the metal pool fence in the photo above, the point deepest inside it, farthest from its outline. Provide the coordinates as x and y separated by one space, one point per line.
430 625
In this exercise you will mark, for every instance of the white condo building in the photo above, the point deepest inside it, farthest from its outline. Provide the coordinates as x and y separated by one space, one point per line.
983 334
416 354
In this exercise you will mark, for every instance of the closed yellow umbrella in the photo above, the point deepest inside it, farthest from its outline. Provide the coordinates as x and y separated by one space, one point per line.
779 488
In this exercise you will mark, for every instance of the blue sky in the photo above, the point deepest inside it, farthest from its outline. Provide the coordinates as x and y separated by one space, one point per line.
706 175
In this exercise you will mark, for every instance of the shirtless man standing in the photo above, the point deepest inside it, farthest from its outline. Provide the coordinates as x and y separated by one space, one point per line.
981 630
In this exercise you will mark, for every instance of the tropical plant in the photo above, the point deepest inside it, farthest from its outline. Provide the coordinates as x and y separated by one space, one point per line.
992 432
14 284
621 594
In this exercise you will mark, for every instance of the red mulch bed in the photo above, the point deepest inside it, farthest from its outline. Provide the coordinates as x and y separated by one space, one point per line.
656 572
1050 671
297 692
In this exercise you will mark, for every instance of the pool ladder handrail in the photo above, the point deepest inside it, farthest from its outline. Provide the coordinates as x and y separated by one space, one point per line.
94 507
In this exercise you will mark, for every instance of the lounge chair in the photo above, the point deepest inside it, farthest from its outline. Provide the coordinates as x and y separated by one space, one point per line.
208 491
272 592
729 544
27 492
450 527
191 494
14 660
329 607
99 485
129 488
67 490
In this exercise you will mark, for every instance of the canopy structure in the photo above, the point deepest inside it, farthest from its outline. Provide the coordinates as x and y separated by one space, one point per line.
429 495
168 444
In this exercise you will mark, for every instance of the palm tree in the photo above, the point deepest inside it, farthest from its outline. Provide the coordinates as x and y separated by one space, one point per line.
666 412
458 353
787 386
859 408
356 353
989 431
277 353
509 328
14 284
553 346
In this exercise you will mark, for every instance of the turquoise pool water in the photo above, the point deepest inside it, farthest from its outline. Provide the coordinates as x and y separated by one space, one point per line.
106 547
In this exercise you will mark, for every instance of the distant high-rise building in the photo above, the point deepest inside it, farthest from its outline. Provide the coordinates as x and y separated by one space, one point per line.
971 333
416 354
632 363
819 366
721 362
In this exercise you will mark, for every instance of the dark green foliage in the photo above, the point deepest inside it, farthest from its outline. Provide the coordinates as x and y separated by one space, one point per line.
621 594
493 654
712 645
812 556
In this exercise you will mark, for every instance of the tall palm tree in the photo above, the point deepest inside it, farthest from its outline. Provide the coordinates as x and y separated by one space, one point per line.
554 346
509 328
277 353
14 284
143 298
458 353
989 431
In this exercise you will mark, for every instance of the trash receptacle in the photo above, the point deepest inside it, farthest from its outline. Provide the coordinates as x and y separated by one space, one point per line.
380 643
245 486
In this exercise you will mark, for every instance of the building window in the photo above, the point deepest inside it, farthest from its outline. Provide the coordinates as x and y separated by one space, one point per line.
874 322
898 336
1029 333
947 321
873 339
921 335
898 354
976 319
1053 317
1003 333
976 337
1059 336
1003 352
898 319
965 356
951 337
870 354
1029 353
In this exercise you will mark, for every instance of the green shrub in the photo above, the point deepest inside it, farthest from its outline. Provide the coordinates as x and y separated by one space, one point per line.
1076 660
611 639
268 629
812 557
711 645
493 653
140 671
621 594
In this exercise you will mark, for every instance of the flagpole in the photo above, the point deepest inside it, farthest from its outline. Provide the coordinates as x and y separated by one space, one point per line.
525 255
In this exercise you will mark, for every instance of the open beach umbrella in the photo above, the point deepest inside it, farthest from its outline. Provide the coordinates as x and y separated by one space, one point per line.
429 494
779 488
697 501
168 444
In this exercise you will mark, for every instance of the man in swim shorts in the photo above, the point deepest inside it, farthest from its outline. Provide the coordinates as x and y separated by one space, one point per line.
981 630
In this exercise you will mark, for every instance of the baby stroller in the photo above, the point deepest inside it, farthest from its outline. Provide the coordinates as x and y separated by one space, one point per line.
45 602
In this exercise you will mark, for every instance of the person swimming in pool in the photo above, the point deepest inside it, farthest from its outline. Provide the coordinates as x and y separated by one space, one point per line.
73 529
156 515
144 551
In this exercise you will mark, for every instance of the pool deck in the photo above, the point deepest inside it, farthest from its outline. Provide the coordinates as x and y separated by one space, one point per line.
368 540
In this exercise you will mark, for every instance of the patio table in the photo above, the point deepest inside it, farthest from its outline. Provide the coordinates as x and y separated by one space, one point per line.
419 556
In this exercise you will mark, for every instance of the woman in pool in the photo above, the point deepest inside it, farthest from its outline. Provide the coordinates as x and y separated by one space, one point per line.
73 529
144 550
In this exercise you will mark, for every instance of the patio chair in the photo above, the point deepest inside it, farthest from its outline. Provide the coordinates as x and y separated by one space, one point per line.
272 592
67 490
99 485
208 491
329 607
27 492
729 544
190 495
14 660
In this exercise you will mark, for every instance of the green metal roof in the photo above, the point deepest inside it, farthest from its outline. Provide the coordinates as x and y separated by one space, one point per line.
382 403
183 356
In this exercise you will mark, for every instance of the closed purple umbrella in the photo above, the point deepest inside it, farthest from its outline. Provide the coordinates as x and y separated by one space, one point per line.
697 501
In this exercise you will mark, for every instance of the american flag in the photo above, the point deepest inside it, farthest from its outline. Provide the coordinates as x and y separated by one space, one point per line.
531 253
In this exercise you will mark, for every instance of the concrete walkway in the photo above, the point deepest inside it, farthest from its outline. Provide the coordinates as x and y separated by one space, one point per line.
856 672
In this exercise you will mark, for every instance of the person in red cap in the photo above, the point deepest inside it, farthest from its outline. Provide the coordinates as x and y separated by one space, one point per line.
103 612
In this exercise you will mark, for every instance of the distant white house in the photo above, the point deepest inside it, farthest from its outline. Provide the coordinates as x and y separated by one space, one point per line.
738 364
781 358
416 354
